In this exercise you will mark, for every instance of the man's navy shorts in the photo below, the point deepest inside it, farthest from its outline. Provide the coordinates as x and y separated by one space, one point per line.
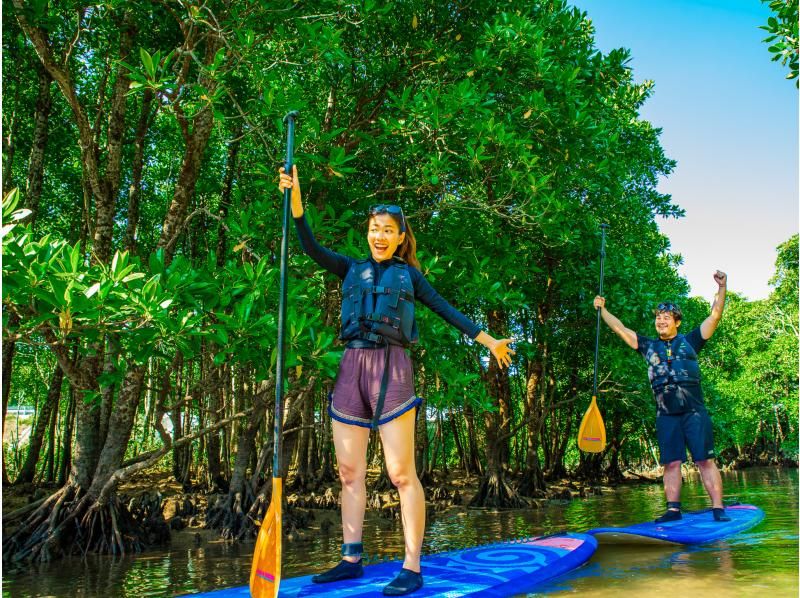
358 385
690 430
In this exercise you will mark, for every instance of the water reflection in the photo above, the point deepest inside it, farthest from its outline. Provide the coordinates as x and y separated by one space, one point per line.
762 560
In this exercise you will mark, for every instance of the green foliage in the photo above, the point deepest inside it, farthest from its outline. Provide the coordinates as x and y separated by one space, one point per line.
782 29
507 136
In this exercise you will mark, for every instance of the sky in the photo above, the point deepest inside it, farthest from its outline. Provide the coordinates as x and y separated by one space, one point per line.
729 119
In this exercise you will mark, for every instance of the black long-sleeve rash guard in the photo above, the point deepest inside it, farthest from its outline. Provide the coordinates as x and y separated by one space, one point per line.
339 264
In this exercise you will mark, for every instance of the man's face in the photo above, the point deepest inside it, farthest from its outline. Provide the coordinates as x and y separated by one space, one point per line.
666 326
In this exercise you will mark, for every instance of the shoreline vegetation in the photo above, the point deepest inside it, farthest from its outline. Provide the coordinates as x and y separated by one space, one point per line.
184 515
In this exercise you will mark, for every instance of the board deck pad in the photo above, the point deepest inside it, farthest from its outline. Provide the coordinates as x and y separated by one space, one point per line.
502 569
696 527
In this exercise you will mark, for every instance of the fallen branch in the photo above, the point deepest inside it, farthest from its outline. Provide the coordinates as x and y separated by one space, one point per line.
149 459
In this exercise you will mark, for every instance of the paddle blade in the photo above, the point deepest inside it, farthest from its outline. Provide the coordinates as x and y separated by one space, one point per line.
265 574
592 433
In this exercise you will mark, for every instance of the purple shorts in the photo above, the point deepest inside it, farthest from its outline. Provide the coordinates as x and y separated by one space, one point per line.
358 385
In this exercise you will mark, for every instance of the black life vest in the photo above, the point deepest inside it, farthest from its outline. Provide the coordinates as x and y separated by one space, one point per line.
672 363
379 311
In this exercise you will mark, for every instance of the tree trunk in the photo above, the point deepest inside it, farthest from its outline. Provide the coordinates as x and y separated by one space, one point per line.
215 481
433 446
462 457
613 471
229 514
504 404
590 467
47 535
107 392
9 348
51 448
181 453
292 407
532 482
326 469
135 189
226 409
87 441
77 516
106 202
9 147
443 438
473 462
190 167
32 196
557 467
231 167
38 143
304 479
494 490
120 426
28 471
65 465
225 202
421 444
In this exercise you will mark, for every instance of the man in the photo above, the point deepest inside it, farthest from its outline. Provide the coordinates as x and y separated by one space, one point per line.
681 417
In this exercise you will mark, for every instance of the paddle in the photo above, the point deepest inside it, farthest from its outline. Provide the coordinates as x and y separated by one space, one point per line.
265 574
592 433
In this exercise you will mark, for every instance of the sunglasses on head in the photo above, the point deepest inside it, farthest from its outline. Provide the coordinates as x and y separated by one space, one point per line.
389 209
670 307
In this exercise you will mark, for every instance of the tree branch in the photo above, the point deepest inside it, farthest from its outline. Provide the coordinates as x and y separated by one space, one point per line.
146 460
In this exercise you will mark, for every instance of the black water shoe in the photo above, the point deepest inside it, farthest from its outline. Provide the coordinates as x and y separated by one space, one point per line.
407 581
719 514
673 512
670 515
344 570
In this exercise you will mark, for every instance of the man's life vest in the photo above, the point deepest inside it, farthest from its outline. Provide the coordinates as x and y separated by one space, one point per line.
672 363
379 311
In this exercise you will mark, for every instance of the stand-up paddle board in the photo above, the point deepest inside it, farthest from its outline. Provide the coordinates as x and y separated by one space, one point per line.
696 527
501 569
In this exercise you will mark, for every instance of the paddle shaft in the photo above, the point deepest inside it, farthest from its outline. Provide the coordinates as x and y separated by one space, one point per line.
281 360
603 228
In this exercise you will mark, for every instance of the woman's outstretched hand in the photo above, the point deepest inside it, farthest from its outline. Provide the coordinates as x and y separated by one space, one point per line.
292 182
502 352
499 348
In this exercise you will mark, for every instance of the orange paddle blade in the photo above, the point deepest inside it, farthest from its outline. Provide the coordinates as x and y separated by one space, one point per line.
592 433
265 574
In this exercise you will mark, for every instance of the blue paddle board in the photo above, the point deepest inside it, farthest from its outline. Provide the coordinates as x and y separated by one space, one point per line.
501 569
697 527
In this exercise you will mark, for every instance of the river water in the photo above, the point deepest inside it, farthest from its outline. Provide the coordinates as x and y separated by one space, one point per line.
760 562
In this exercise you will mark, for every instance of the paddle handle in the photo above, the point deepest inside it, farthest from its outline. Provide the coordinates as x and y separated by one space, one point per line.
603 228
289 121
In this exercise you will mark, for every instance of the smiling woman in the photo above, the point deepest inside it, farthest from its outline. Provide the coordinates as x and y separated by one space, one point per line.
389 232
375 384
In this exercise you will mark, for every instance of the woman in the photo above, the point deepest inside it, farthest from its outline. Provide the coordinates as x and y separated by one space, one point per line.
374 387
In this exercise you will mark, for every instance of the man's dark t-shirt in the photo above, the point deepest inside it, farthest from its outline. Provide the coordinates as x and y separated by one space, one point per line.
675 399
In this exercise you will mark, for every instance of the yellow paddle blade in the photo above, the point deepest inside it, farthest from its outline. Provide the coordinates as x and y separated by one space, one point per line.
592 433
265 574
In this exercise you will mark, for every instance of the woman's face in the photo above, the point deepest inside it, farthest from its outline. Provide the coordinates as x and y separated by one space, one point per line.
383 236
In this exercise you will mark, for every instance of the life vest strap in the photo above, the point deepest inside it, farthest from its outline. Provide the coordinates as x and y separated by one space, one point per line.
382 319
384 386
